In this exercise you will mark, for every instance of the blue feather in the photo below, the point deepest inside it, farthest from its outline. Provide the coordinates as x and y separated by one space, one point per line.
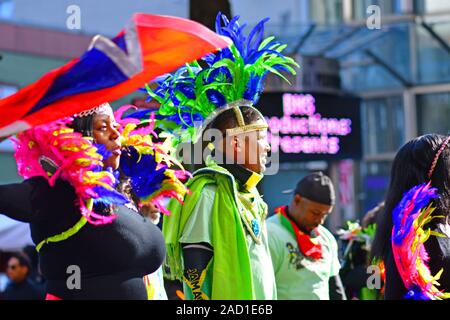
101 150
142 171
219 17
257 33
424 196
232 30
416 293
186 119
109 197
216 97
140 115
187 89
221 75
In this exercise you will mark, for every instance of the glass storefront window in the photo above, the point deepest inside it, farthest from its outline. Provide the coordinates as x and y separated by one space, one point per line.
431 6
369 77
374 184
433 60
383 121
433 113
326 11
392 47
274 185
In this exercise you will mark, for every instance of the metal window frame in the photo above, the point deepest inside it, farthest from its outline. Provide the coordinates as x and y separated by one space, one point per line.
385 156
423 90
409 109
432 88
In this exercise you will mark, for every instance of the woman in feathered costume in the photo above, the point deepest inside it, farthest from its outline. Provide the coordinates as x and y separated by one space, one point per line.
85 223
413 233
216 241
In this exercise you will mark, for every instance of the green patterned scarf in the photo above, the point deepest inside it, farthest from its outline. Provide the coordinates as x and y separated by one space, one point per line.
232 272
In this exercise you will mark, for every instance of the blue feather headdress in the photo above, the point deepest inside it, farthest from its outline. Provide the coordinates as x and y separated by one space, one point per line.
193 96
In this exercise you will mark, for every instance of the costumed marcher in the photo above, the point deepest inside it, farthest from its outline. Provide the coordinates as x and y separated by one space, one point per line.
217 241
83 211
355 272
412 235
304 253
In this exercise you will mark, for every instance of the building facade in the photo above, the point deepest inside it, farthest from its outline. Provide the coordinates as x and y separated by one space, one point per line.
394 55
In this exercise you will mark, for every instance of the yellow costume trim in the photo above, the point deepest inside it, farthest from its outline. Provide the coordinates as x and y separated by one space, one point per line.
68 233
253 181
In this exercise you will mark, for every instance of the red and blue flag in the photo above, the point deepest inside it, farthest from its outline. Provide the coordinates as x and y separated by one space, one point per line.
151 46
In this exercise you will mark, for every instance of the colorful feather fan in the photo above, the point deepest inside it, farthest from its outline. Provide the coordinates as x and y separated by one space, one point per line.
55 151
190 96
74 159
147 163
408 238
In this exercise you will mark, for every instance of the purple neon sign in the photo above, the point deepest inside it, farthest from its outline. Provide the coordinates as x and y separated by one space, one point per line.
302 129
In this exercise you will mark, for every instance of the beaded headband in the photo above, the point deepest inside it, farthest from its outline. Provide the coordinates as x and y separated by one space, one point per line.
438 154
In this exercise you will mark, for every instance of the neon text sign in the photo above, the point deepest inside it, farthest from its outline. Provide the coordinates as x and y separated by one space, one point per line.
301 129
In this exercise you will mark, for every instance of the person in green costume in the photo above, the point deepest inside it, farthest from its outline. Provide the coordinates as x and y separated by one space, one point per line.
219 233
217 239
304 252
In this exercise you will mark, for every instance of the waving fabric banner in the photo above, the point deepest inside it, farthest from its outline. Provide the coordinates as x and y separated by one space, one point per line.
111 68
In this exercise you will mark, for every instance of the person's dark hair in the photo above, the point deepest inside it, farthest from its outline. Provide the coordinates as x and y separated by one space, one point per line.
23 261
84 125
124 187
227 119
410 168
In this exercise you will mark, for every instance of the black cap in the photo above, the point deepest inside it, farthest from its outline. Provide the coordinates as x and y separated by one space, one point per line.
316 187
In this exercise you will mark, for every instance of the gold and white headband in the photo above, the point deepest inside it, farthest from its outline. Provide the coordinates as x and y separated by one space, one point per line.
242 127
